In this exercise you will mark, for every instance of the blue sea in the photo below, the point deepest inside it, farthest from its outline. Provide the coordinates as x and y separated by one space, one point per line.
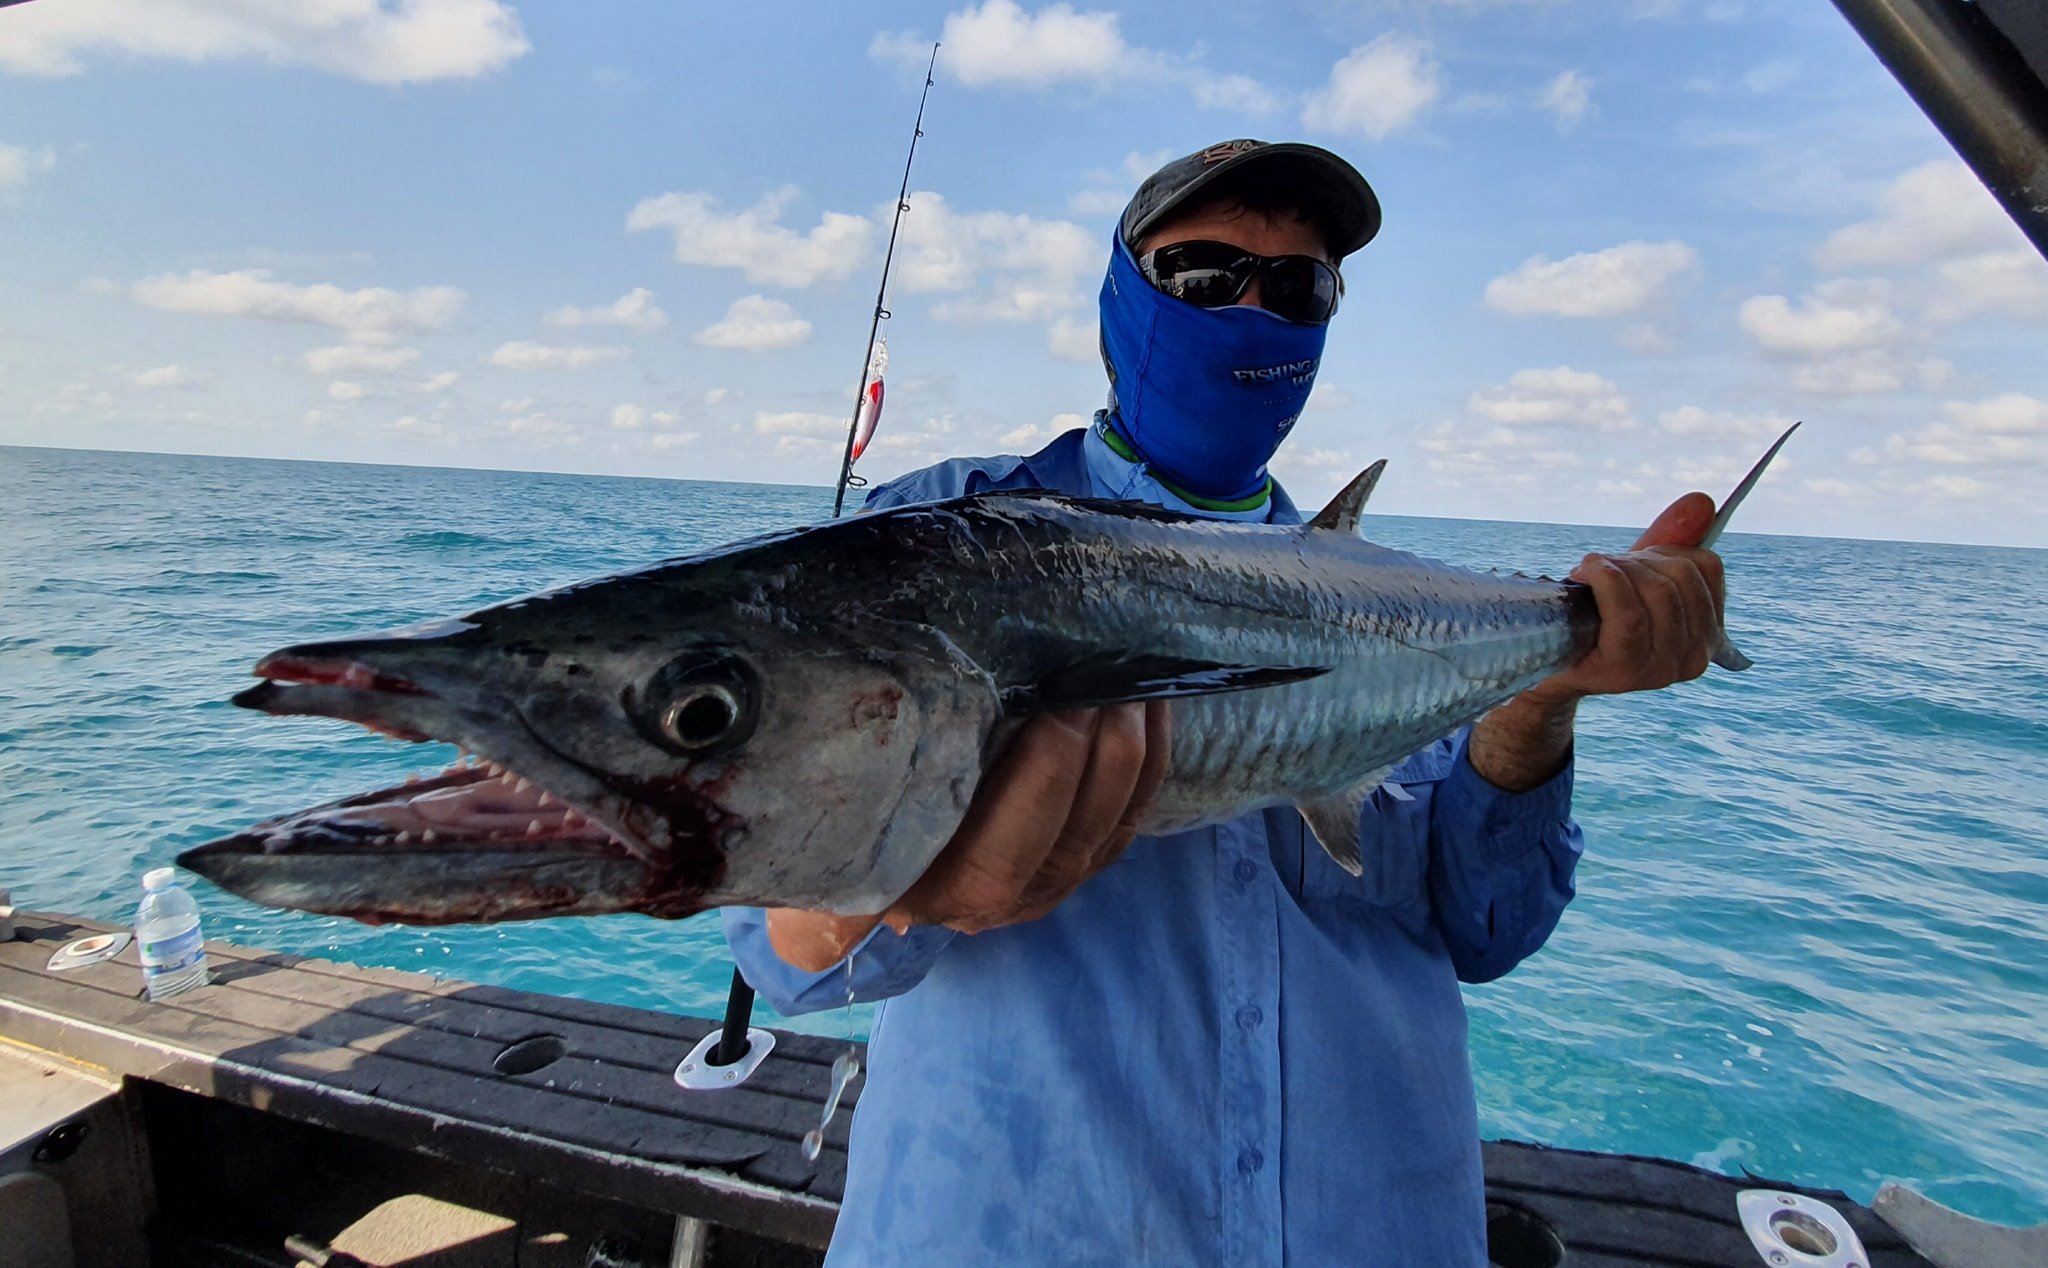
1811 937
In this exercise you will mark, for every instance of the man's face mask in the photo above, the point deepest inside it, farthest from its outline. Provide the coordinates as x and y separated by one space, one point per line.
1206 395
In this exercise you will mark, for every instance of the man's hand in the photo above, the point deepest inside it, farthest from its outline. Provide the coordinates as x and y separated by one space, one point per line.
1660 614
1058 808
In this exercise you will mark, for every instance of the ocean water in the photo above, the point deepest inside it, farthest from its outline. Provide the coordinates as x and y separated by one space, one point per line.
1811 937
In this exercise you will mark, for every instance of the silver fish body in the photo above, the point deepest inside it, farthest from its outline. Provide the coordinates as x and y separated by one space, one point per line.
802 720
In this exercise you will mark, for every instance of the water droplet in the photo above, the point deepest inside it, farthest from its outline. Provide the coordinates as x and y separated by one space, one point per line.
814 1144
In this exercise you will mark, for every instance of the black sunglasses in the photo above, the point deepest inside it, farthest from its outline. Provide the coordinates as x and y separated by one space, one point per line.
1216 274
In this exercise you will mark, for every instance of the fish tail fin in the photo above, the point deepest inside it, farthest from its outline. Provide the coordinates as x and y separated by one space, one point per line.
1726 654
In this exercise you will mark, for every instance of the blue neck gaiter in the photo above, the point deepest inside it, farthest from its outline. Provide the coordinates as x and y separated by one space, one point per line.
1204 395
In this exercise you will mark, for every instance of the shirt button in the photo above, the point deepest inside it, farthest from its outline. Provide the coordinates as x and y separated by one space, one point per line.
1249 1016
1250 1160
1246 871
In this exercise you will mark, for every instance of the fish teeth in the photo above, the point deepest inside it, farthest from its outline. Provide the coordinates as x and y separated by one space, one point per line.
428 837
548 799
521 784
533 828
405 838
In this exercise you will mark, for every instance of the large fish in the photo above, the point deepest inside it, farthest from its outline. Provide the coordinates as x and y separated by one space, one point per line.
802 719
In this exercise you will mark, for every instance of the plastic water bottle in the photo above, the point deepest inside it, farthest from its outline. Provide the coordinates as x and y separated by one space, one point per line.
167 936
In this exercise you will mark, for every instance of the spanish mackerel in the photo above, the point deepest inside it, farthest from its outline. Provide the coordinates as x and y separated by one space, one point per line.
801 720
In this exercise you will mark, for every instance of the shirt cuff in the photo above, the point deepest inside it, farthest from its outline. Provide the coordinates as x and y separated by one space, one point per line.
1503 826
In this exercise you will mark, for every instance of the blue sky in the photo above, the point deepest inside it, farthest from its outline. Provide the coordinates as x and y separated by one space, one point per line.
1625 242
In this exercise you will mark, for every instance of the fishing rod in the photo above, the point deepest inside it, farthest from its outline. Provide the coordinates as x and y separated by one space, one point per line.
867 360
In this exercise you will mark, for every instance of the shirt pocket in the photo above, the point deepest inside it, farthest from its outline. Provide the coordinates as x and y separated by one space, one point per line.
1393 855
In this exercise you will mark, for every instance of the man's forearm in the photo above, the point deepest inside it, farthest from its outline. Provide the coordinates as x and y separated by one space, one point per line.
1525 742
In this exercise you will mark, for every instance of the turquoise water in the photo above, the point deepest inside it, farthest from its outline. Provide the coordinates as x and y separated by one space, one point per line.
1811 937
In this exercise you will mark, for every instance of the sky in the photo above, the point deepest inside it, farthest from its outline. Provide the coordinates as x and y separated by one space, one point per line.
1626 243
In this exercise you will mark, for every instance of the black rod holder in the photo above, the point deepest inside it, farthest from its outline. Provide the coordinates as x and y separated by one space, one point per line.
739 1013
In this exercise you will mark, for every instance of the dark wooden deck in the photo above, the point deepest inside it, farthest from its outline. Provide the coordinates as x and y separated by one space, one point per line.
406 1060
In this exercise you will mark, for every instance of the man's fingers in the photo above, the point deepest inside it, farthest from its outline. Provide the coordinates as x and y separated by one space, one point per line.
1011 827
1683 523
1114 767
1624 620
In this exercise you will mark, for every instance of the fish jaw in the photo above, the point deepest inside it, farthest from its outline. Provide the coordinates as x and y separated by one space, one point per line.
524 833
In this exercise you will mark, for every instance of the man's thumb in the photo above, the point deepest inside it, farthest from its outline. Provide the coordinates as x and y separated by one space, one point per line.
1683 523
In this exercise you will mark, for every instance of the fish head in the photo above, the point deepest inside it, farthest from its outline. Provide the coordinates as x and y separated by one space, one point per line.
638 744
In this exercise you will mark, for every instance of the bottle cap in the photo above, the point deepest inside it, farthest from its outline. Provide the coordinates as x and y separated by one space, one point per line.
157 878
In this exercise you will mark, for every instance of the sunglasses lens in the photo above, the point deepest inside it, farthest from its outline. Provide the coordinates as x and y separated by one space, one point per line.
1205 274
1300 288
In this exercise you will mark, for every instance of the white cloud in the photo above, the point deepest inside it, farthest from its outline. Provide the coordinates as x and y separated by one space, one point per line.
757 324
1377 89
1560 397
439 382
1936 211
798 423
635 310
672 439
1568 99
1870 372
341 391
1833 319
373 311
414 41
1236 93
1075 339
1011 267
1021 435
1620 279
2012 283
2000 433
2012 414
714 395
171 376
631 417
754 241
1000 44
1692 421
18 163
524 354
355 358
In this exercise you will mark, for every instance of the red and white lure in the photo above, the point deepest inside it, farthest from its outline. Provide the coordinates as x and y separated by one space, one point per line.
871 400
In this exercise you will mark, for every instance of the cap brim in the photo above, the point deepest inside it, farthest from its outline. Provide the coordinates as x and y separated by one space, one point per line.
1331 192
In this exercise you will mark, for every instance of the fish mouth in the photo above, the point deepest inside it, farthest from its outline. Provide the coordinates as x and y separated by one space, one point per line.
512 830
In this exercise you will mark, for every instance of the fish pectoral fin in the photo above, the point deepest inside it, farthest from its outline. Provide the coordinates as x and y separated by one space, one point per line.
1341 515
1120 677
1334 820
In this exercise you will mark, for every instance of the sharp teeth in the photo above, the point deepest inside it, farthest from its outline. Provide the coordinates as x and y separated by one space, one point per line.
521 784
548 799
427 837
570 819
405 838
533 828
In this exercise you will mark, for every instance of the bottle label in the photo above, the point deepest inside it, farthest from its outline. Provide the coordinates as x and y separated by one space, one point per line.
174 954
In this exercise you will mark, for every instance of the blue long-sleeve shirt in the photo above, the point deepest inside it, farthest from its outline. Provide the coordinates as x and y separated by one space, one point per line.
1221 1049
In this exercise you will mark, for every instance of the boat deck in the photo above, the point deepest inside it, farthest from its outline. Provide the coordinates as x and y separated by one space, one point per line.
418 1064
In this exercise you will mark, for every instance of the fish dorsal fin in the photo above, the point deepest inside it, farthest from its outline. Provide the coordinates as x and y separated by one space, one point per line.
1334 820
1341 515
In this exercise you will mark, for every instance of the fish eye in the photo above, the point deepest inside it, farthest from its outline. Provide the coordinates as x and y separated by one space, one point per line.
701 716
701 703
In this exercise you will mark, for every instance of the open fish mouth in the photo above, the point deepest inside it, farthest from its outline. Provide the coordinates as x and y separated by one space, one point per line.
491 837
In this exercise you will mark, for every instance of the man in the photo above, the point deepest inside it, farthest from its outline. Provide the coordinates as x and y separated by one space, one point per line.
1216 1047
